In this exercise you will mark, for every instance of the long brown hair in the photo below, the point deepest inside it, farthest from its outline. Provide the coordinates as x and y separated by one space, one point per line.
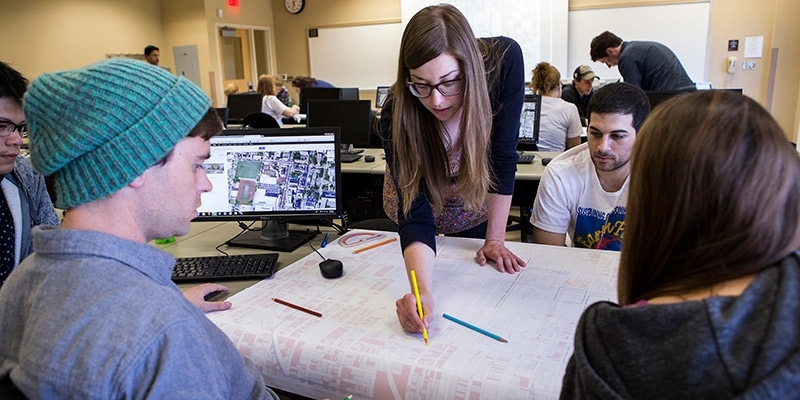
714 195
418 137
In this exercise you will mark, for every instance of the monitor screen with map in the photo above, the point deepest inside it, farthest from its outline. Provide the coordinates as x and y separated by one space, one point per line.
273 176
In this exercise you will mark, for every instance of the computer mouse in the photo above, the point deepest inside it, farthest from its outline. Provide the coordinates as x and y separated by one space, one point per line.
369 158
216 296
331 268
546 160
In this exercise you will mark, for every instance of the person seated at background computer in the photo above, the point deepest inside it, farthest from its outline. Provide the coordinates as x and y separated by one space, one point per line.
300 82
283 94
559 123
24 200
231 88
709 277
450 160
271 104
580 91
92 313
583 192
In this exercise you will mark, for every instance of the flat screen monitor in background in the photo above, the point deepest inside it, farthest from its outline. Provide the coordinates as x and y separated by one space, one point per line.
657 97
529 122
353 117
380 96
239 105
349 93
317 93
273 176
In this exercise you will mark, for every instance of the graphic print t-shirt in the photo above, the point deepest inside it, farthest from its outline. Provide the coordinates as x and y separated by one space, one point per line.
596 229
571 200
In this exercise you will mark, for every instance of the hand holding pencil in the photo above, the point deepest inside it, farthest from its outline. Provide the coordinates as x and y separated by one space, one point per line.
408 314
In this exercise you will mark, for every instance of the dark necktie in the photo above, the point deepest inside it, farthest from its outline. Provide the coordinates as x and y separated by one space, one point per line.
7 241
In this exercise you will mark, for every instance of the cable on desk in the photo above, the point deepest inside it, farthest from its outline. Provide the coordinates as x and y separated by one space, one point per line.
244 228
306 239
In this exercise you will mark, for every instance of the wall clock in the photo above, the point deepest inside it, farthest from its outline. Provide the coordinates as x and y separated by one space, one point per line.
294 6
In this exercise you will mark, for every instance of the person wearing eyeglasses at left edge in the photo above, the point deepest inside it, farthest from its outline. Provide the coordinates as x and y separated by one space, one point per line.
24 201
450 132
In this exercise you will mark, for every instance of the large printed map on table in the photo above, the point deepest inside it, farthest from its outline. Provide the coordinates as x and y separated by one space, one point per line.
358 347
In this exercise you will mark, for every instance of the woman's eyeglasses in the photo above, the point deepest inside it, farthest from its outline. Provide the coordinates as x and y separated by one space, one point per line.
446 88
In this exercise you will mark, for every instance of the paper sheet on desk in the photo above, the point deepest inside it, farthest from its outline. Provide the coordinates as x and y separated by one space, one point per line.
358 347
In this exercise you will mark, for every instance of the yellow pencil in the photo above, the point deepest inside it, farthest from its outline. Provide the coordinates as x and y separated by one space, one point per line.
419 305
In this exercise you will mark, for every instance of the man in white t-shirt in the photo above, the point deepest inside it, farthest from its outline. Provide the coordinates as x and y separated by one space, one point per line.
583 193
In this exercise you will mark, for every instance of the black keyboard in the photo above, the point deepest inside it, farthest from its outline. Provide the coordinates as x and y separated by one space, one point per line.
215 268
525 159
348 157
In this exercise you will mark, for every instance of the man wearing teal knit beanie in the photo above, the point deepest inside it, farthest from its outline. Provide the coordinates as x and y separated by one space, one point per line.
92 313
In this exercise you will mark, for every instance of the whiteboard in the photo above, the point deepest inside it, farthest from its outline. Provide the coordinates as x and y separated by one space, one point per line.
363 56
684 28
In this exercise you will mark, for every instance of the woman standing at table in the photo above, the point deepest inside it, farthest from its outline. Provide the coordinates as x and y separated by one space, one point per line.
450 131
709 276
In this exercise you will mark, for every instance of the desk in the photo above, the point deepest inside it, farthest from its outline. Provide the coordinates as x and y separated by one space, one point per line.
526 184
358 347
360 166
370 205
204 237
362 187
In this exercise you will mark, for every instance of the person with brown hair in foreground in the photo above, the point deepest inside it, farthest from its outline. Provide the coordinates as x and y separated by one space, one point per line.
709 277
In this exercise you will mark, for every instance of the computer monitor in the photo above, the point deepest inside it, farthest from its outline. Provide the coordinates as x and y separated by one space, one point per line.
239 105
353 117
657 97
317 93
273 176
350 93
381 95
529 122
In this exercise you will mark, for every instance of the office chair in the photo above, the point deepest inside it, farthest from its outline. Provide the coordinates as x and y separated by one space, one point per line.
259 120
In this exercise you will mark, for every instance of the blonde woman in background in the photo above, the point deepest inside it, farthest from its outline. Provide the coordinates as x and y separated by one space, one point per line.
231 88
271 105
559 124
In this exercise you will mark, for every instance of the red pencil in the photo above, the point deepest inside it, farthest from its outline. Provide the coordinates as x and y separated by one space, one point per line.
296 307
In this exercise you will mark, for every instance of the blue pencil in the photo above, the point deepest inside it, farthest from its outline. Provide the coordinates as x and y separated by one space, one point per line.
474 328
324 241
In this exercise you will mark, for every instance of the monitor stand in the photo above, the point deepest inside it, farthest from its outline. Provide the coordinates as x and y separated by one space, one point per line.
274 235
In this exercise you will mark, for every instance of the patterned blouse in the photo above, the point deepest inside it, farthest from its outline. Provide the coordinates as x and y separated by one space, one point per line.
454 217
